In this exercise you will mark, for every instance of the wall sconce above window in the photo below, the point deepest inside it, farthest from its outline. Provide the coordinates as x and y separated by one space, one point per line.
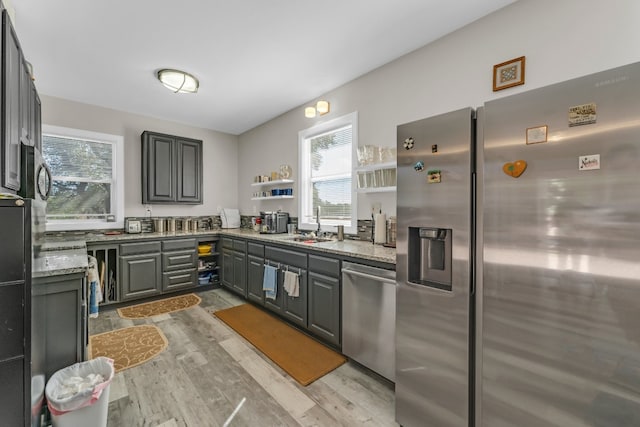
321 108
178 81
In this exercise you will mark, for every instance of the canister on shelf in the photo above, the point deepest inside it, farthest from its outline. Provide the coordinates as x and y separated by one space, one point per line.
158 225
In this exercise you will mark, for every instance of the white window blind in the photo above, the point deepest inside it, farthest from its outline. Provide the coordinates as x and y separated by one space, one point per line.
326 159
85 191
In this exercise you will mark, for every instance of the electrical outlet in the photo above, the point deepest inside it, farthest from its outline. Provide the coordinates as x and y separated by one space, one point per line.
148 210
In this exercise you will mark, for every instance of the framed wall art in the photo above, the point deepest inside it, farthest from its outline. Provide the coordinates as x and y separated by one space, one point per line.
508 74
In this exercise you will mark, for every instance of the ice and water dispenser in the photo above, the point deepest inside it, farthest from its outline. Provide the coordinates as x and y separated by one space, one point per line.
429 256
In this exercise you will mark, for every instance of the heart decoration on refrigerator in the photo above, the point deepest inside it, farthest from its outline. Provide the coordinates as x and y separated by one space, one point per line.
514 169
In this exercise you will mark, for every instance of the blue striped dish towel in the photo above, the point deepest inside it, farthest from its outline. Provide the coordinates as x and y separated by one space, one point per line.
269 281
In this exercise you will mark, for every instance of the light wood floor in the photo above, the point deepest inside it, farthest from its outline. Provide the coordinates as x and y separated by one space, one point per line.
208 369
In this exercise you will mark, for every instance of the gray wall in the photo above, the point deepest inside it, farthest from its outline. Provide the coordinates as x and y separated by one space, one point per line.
220 153
560 39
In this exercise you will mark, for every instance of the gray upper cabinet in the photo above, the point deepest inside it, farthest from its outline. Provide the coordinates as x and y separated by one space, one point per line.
189 172
36 122
12 69
171 169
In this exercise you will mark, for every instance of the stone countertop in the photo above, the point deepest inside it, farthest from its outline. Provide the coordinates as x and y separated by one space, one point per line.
351 248
60 257
108 238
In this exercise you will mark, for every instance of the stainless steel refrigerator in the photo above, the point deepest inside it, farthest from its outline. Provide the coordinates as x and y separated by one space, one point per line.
519 276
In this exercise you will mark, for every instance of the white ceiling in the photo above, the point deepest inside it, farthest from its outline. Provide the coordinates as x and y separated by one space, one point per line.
255 59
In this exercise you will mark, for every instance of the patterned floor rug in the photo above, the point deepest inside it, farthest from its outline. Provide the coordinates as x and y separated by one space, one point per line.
128 347
154 308
302 357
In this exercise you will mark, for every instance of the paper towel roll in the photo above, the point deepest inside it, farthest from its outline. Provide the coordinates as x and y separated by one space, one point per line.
380 230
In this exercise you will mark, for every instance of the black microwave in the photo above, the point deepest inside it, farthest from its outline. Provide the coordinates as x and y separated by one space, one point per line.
35 176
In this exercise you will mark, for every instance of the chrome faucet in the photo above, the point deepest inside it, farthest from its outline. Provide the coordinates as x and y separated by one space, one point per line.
318 219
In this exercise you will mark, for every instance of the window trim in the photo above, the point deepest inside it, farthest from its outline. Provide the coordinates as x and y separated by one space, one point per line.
117 199
316 130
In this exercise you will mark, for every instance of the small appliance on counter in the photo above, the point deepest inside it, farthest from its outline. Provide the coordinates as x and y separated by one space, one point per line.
274 222
132 225
230 218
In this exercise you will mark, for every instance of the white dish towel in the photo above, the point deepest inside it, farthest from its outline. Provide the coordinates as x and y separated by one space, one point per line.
291 283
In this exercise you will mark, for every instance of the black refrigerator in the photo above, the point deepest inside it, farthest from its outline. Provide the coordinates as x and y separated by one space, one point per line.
15 311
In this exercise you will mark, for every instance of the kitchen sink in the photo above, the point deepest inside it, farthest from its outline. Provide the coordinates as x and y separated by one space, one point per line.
310 239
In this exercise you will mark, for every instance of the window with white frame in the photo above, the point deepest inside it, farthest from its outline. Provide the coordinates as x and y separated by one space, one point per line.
326 153
88 173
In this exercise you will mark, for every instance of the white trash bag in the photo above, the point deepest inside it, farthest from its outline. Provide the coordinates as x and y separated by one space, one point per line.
79 385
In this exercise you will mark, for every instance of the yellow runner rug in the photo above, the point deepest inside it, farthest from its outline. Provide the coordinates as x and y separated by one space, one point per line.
302 357
154 308
128 347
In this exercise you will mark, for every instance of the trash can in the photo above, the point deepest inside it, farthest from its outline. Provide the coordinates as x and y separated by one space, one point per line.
78 395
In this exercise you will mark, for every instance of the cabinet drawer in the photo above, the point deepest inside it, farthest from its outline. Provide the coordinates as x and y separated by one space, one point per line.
139 248
255 249
324 265
285 256
179 260
179 279
239 245
227 243
179 244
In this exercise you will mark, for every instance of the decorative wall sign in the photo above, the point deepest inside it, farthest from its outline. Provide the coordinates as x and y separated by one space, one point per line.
408 143
537 134
419 166
584 114
514 169
434 176
508 74
588 163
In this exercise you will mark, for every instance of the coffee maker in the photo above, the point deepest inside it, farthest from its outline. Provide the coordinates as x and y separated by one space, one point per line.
274 222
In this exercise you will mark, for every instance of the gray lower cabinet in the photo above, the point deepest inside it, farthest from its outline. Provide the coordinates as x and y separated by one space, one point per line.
59 321
324 298
179 264
140 270
293 308
227 268
234 265
239 283
255 272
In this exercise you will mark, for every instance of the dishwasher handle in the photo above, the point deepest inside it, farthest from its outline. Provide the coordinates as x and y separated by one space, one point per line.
368 276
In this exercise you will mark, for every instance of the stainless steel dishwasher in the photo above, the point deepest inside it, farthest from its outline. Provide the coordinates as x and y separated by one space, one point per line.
369 317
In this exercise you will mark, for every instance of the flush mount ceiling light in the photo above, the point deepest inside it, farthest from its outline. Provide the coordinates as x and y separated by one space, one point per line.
322 108
178 81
